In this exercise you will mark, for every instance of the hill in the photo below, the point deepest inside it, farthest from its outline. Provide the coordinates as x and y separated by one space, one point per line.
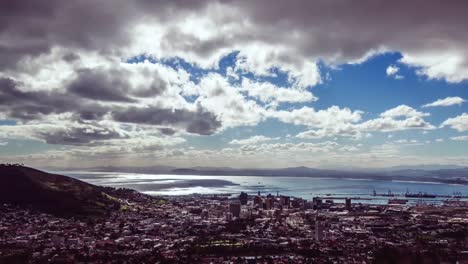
52 193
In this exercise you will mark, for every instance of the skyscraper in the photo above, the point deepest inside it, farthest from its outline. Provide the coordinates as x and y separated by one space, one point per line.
243 198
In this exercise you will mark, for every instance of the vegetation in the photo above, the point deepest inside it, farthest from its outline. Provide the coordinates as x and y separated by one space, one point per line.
56 194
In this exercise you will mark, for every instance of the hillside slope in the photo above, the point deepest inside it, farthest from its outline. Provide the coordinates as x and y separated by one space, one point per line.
52 193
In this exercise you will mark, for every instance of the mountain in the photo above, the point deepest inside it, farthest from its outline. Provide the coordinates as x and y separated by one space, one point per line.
455 175
52 193
426 167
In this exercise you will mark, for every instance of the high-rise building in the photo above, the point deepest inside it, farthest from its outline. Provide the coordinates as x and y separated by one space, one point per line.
234 209
269 203
319 234
316 202
348 204
258 200
285 200
243 198
228 216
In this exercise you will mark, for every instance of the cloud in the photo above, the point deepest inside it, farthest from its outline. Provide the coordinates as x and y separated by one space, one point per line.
251 140
29 105
78 135
387 124
85 82
269 93
290 37
342 130
301 147
403 111
100 85
392 71
460 138
227 102
399 118
308 116
459 123
197 122
70 133
446 102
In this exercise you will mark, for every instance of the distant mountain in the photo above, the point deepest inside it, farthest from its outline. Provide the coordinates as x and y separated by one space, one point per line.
458 175
53 193
427 167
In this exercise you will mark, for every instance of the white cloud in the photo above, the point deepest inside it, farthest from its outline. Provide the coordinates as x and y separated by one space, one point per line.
272 94
308 116
387 124
342 130
392 70
399 118
446 102
436 63
252 140
403 111
301 147
217 95
459 123
396 119
460 138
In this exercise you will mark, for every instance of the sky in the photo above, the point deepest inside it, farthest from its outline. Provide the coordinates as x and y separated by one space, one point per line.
244 84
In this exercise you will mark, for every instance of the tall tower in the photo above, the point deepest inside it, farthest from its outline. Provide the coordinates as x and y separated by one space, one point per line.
318 230
348 204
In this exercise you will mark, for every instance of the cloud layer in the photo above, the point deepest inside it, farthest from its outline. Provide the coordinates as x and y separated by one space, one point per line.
154 69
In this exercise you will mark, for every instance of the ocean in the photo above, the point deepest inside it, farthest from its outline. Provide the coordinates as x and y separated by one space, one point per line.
304 187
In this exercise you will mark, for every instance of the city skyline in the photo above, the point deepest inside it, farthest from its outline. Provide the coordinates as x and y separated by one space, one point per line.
236 84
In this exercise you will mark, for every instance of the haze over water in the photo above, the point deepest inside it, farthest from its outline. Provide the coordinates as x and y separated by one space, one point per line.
304 187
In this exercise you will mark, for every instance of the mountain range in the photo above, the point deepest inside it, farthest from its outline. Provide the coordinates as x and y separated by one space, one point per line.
433 173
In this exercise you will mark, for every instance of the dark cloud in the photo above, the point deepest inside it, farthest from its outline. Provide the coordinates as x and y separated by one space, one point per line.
349 30
29 105
33 105
157 87
113 85
167 131
327 29
71 57
78 135
333 31
197 122
31 27
101 85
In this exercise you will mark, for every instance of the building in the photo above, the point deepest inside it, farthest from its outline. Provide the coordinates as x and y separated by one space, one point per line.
235 209
257 200
285 200
316 202
228 216
269 204
319 234
348 204
243 198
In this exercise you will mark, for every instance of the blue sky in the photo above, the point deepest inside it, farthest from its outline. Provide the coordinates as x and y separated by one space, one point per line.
231 84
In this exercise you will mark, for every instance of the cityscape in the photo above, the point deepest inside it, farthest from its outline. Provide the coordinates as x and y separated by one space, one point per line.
241 228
